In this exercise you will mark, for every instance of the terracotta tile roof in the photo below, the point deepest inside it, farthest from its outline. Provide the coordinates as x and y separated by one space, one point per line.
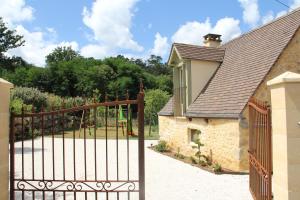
247 61
168 108
187 51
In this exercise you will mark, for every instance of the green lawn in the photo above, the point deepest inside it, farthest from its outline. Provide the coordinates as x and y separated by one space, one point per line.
111 133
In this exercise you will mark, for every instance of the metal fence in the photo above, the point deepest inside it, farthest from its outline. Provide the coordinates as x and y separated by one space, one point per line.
260 150
49 161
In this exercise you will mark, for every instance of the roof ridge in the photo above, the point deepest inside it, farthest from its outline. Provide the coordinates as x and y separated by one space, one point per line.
199 46
263 25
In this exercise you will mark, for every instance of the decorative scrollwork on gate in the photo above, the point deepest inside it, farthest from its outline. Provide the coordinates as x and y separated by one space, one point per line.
77 186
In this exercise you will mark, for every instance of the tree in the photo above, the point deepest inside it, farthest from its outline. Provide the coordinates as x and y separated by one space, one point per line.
156 66
154 102
95 78
64 77
61 54
165 83
8 40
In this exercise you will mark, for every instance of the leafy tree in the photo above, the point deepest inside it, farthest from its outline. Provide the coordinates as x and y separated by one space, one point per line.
154 102
61 54
155 66
63 78
96 77
165 83
69 74
9 40
128 76
19 77
39 78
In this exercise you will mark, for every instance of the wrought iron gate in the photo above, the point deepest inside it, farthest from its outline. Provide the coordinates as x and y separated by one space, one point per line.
260 150
48 161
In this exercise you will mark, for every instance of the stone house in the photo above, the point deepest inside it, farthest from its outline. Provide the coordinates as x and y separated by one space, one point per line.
214 82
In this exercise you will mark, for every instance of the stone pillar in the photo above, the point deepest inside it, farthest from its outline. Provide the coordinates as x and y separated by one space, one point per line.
4 137
285 101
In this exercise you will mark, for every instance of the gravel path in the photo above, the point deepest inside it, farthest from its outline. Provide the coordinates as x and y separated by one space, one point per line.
166 178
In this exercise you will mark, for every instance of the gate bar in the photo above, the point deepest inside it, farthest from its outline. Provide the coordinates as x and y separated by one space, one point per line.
141 143
12 156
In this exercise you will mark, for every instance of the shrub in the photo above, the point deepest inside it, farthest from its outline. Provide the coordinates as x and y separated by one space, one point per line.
162 146
30 96
17 104
198 147
208 160
202 163
194 161
217 167
57 101
179 155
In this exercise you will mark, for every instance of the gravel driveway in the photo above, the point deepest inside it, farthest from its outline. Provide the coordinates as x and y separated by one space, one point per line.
166 178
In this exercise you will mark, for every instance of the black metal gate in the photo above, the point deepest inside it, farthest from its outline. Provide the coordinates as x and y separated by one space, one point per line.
48 161
260 150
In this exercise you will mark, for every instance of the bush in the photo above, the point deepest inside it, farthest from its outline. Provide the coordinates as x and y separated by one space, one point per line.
30 96
57 101
202 163
217 167
179 155
17 104
194 161
162 146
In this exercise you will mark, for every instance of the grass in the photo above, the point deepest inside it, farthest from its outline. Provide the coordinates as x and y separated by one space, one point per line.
111 133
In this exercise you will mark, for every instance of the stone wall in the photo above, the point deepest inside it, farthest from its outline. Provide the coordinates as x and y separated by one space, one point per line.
221 139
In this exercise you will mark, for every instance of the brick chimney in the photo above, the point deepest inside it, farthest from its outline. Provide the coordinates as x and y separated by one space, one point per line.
212 40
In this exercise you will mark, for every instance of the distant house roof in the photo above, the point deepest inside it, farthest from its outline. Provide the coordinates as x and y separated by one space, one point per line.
168 108
246 62
193 52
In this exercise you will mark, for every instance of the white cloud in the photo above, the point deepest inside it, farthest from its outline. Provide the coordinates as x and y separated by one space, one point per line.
36 47
268 17
96 51
281 13
229 28
161 46
251 14
193 32
295 4
38 43
15 11
111 22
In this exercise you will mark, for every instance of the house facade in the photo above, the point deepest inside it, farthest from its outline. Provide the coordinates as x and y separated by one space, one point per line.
213 84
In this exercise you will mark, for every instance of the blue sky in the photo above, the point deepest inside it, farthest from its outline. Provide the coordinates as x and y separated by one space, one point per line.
134 28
